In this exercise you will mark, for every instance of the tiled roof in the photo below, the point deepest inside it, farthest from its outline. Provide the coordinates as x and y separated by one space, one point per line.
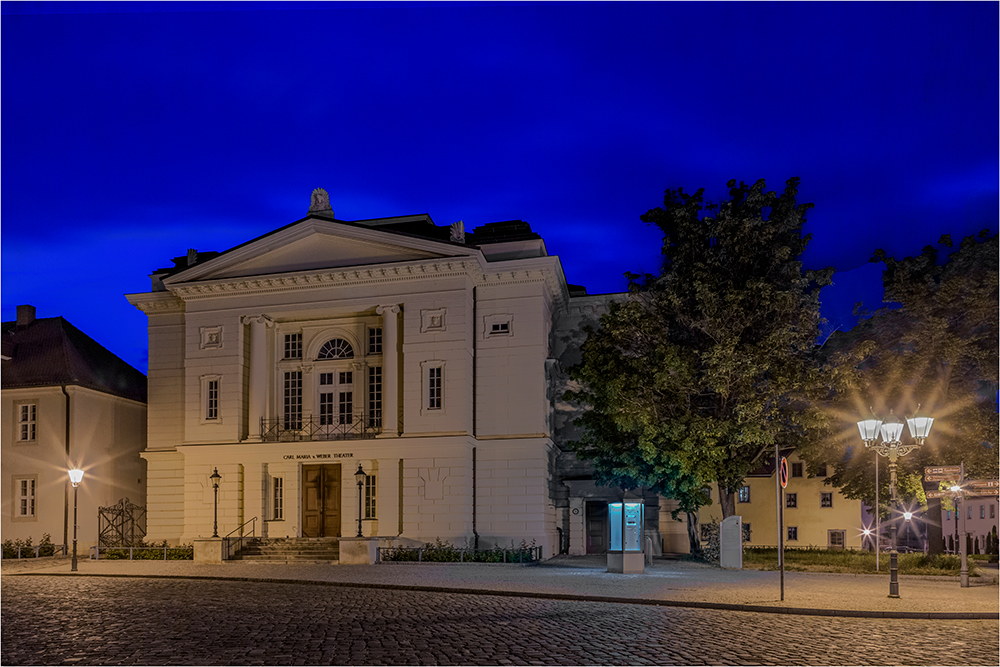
50 352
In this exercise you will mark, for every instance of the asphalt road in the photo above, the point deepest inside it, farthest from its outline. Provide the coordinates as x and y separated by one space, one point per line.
121 621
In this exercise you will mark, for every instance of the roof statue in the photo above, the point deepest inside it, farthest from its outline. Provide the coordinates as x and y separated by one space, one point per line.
320 202
457 234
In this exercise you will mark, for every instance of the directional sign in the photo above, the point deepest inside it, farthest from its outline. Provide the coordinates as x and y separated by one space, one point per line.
939 494
940 478
982 492
783 471
943 470
983 483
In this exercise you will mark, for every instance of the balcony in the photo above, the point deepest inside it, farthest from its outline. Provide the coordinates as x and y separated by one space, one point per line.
356 426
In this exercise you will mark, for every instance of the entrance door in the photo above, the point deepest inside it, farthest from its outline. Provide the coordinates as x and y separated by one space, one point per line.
321 500
597 528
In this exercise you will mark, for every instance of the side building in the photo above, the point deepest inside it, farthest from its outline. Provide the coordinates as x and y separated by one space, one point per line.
431 358
815 514
67 403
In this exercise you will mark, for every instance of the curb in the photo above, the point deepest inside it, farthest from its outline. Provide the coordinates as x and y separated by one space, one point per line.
760 609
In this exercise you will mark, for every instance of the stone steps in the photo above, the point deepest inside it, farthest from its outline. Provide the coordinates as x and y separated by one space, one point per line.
300 550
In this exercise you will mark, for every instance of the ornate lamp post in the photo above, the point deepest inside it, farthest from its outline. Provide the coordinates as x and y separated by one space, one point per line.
360 477
75 477
892 448
216 477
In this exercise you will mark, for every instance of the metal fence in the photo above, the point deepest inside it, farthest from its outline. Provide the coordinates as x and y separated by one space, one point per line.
145 553
33 551
354 426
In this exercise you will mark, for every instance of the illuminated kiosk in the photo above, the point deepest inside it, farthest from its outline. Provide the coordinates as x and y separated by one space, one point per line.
625 554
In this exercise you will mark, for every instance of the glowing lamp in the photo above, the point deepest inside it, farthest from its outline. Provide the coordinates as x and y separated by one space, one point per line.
920 427
869 429
76 476
907 515
955 489
892 429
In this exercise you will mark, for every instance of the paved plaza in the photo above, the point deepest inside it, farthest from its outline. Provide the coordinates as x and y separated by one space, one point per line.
242 614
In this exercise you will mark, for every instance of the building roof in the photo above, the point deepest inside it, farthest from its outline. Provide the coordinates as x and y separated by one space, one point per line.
50 351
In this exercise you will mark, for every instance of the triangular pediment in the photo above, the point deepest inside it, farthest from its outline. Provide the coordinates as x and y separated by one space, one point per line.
316 245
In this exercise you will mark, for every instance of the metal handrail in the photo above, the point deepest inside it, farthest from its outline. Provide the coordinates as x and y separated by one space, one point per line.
228 541
353 426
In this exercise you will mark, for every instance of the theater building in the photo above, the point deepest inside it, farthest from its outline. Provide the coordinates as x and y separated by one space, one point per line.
432 358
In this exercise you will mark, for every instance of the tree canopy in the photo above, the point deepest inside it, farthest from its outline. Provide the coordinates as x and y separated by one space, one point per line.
703 368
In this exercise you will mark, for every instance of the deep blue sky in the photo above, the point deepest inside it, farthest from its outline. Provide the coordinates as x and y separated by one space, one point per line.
131 133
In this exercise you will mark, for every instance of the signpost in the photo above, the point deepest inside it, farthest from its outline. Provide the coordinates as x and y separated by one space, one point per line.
781 478
976 487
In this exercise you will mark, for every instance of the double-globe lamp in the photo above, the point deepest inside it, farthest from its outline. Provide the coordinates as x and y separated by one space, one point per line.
891 430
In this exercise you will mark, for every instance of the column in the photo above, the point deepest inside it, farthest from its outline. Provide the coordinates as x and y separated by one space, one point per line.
577 527
390 369
258 371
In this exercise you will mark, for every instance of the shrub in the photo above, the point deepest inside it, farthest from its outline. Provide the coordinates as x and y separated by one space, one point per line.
445 552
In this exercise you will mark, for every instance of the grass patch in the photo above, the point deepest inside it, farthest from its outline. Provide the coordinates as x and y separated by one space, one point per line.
853 562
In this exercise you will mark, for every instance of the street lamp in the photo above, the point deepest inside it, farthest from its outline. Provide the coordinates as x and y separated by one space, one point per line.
75 477
360 477
892 448
869 433
216 477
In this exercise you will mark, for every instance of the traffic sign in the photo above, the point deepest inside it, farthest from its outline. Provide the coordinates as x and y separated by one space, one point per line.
983 483
982 492
938 494
783 472
943 470
940 478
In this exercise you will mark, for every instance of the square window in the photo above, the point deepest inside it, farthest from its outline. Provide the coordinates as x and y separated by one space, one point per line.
293 346
326 378
821 471
793 533
791 500
347 378
826 500
797 470
743 495
836 538
27 414
374 340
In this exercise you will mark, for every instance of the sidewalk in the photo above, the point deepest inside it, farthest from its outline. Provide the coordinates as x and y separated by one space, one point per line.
666 582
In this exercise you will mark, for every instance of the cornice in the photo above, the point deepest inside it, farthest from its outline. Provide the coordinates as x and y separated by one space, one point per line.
156 302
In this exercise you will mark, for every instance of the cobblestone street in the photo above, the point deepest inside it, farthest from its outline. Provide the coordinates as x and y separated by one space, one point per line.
96 620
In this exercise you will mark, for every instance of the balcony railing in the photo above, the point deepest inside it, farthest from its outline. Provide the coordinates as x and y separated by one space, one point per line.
354 426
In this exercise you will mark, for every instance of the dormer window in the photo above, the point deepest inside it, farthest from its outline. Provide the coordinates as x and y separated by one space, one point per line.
338 348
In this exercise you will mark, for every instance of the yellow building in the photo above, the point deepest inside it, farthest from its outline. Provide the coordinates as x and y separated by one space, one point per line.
815 513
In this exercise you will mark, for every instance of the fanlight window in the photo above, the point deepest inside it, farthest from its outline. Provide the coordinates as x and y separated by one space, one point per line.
338 348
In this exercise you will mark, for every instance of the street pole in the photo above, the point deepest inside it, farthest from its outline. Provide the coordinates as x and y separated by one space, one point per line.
878 514
76 490
893 554
779 499
964 575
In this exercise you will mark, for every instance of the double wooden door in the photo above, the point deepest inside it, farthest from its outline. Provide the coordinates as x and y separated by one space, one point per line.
321 500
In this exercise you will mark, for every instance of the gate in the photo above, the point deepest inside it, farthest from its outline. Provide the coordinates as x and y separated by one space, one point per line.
121 525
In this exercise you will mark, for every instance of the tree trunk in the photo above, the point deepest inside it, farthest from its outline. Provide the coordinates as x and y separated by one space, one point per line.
935 538
727 501
694 540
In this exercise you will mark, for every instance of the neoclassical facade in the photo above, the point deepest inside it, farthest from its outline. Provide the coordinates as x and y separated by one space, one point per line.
430 357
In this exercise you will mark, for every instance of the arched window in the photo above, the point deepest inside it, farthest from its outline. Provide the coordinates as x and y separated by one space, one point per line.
338 348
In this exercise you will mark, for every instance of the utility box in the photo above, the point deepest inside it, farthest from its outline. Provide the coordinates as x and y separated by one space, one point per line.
731 543
625 553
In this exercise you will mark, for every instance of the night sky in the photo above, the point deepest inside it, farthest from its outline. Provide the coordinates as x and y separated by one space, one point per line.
131 133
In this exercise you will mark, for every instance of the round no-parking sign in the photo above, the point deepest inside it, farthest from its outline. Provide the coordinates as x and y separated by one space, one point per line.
783 472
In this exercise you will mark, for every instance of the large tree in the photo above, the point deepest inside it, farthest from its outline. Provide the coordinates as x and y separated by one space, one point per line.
702 369
934 344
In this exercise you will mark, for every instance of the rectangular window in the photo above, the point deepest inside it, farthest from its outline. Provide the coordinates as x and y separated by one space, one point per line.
826 500
743 495
982 511
347 378
500 328
293 400
993 511
346 407
374 340
25 497
793 533
796 470
369 496
212 399
970 511
293 346
434 388
326 408
947 515
375 396
821 471
746 532
326 378
278 498
791 500
26 414
836 539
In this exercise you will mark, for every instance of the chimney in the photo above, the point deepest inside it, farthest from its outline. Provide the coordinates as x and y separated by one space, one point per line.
25 315
192 256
